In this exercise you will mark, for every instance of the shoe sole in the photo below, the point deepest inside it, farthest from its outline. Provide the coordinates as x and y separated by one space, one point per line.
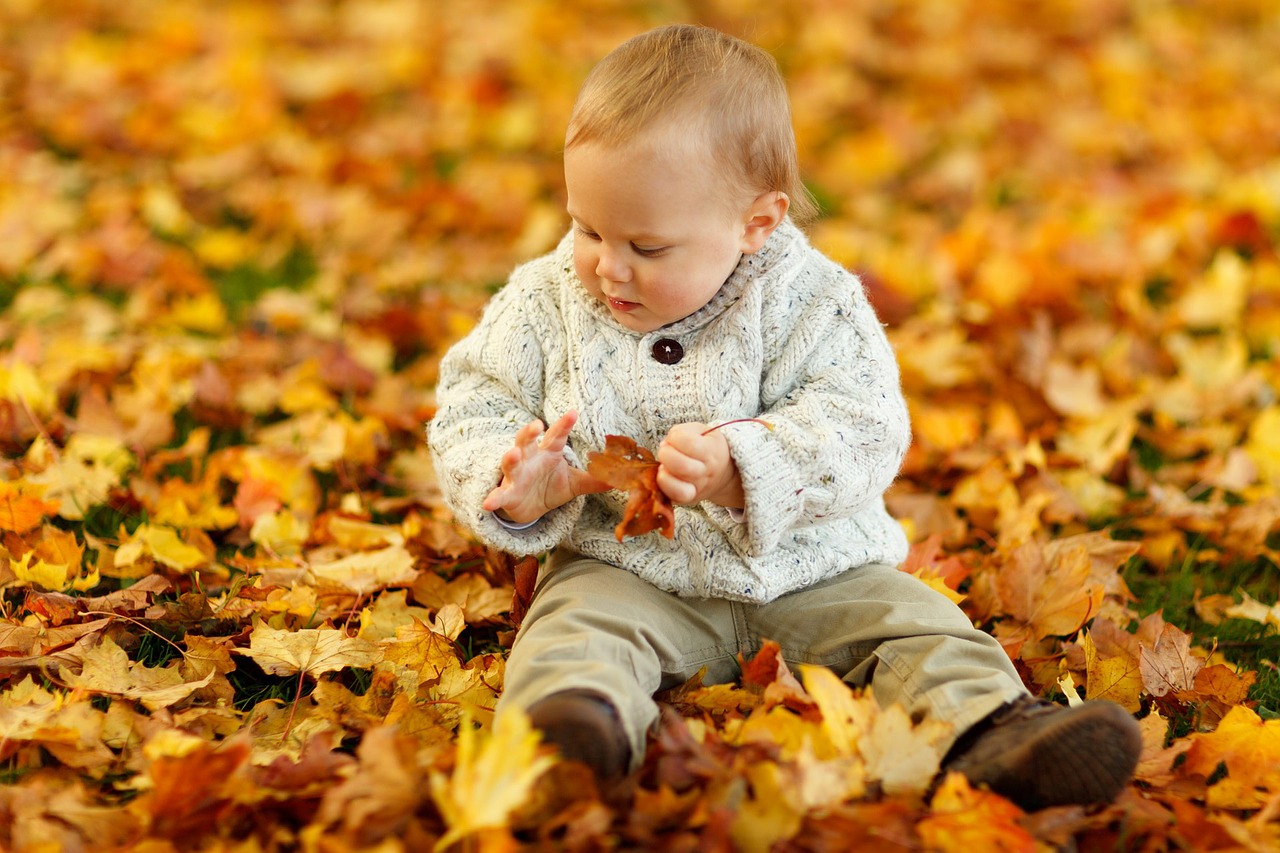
1084 756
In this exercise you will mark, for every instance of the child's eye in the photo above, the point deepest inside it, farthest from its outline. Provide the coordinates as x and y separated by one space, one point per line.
648 251
590 235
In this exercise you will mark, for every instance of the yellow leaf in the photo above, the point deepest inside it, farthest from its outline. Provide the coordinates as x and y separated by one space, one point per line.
203 313
1255 611
946 428
1263 444
770 815
367 571
493 775
475 595
57 577
845 717
56 563
163 545
1074 390
903 757
1067 685
223 248
20 383
107 669
83 474
938 584
351 533
1118 678
963 820
388 612
1099 442
1250 749
1218 299
282 532
312 650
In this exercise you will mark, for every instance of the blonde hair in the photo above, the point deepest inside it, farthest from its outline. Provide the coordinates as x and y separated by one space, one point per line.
732 89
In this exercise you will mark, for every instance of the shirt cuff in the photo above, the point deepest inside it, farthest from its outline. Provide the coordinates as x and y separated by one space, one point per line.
513 525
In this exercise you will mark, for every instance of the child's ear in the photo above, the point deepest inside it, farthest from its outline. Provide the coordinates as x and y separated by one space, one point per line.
763 216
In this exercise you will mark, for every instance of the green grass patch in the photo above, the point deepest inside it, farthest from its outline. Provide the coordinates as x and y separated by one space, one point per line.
1246 644
242 286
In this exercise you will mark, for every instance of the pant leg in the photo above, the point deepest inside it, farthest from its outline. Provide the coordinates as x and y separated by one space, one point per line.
877 626
596 627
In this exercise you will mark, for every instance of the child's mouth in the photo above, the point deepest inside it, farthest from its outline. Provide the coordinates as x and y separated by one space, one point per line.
622 304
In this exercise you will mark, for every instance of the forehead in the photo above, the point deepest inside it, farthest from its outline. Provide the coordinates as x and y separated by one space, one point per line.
656 176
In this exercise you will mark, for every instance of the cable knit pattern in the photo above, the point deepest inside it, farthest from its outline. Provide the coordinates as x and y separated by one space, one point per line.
789 338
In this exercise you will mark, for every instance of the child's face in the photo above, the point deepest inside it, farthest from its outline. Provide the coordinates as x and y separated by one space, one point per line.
655 233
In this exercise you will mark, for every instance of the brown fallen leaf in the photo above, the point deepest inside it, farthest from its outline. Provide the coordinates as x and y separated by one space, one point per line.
627 466
526 580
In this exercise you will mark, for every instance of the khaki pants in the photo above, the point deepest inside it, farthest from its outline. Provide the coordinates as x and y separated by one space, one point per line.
597 627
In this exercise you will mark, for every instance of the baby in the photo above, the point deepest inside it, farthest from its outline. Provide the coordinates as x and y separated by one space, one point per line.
685 296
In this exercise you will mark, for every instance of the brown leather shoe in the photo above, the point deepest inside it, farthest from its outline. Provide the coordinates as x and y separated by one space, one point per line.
584 727
1038 754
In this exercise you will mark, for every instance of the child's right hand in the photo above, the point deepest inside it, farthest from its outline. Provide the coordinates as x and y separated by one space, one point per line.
536 478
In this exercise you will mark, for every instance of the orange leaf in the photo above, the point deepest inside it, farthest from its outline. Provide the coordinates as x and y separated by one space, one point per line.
1250 748
964 818
21 509
627 466
1052 594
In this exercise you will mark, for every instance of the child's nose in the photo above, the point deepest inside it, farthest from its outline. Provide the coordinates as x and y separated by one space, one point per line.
611 266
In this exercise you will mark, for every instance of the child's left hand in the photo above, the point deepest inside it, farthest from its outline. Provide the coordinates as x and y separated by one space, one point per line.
694 467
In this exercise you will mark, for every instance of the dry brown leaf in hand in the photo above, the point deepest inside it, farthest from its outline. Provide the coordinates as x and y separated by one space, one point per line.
627 466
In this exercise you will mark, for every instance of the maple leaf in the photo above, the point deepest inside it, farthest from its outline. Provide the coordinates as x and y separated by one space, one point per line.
366 571
963 819
1117 678
191 791
1050 595
388 612
771 814
478 599
161 544
55 563
625 465
769 674
378 799
106 668
493 775
1167 666
21 507
1249 747
1255 611
310 651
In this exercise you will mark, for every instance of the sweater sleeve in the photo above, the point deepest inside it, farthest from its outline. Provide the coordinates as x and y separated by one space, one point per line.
491 384
840 423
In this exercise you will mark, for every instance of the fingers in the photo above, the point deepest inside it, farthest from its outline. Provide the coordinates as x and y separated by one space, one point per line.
558 433
528 434
693 466
495 500
680 491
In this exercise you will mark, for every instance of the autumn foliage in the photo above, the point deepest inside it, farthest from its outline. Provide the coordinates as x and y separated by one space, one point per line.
236 237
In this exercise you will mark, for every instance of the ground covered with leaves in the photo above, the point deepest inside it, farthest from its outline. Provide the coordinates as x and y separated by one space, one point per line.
236 237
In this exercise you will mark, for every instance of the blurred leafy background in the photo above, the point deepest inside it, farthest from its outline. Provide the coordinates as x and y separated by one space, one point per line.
236 237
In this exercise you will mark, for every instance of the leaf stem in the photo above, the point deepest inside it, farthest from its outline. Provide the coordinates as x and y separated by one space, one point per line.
764 424
293 709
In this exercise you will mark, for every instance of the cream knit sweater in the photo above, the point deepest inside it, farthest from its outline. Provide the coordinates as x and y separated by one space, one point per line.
789 338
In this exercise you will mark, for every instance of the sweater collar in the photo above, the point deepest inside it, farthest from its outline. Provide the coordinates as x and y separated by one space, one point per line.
785 244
